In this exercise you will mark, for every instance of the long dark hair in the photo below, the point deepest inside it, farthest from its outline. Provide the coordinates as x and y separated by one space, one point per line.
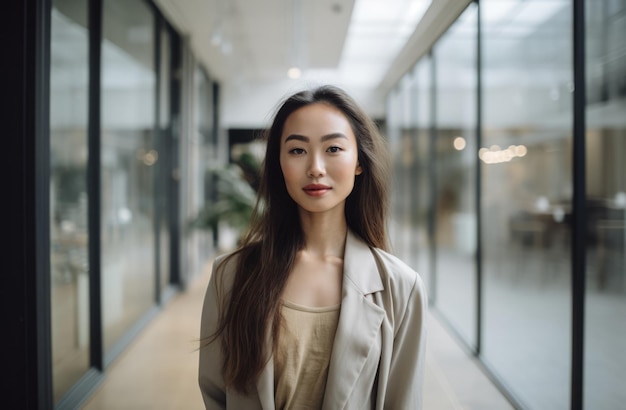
269 248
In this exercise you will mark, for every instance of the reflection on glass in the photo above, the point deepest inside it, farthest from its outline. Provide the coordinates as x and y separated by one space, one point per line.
198 155
605 323
400 136
128 158
68 195
408 132
164 142
421 110
526 196
455 219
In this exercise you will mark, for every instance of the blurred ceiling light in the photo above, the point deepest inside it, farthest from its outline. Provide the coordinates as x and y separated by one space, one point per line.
459 143
496 155
294 73
150 158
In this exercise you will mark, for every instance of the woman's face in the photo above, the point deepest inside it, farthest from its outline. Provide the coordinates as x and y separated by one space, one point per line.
319 157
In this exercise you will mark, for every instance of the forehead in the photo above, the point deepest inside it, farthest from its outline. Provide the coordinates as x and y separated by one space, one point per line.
316 120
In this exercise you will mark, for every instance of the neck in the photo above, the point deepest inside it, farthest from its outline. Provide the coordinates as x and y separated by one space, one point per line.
324 233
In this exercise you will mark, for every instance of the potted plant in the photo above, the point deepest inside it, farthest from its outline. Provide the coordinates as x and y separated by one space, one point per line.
236 186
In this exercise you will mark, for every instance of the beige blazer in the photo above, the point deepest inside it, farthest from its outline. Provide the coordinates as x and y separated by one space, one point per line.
377 361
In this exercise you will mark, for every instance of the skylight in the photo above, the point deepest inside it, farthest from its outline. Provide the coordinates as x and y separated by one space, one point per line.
378 31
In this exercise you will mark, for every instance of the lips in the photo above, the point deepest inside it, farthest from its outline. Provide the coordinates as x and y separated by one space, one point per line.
316 189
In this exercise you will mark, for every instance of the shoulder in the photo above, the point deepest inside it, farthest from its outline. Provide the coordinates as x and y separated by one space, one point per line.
396 269
405 300
225 262
223 270
217 291
399 278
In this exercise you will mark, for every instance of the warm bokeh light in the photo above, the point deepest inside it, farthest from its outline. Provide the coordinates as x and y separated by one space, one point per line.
294 73
459 143
150 158
496 155
482 152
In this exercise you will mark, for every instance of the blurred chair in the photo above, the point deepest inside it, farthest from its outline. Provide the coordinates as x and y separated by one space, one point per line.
541 241
611 247
528 237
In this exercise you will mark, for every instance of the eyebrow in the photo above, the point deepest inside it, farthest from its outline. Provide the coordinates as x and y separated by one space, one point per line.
325 138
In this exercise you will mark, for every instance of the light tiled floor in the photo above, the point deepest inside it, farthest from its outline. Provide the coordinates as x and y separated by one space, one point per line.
158 371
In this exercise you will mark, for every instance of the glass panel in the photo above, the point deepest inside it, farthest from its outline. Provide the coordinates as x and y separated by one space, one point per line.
605 323
165 137
128 159
420 173
196 159
455 219
68 194
408 132
205 123
400 137
526 196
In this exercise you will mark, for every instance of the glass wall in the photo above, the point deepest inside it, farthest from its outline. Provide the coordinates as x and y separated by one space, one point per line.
400 137
199 154
526 196
605 323
408 131
420 170
69 237
128 158
164 143
526 189
158 134
455 174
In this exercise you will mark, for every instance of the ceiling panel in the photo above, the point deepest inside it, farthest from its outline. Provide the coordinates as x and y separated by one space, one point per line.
260 40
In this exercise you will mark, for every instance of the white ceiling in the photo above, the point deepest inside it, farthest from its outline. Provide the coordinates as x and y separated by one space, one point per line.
364 46
350 43
260 38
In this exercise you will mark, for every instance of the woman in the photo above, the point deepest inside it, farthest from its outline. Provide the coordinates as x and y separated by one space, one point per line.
311 311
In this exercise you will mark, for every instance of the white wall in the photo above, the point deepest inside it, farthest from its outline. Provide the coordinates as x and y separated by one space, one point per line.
252 105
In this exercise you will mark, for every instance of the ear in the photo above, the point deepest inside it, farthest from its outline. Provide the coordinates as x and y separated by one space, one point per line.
358 170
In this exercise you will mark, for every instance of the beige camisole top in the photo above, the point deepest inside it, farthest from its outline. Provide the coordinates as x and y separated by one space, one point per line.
303 354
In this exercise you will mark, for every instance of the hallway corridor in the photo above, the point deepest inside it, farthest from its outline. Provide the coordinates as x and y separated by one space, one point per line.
159 370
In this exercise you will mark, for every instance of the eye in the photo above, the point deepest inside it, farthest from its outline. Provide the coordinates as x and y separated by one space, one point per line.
296 151
333 149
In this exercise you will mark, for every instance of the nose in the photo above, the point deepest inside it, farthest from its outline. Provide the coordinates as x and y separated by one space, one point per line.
316 167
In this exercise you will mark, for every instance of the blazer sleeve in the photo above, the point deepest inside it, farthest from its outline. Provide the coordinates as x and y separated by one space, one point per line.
210 363
406 372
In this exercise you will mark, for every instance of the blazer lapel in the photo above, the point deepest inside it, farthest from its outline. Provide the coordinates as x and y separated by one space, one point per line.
359 323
